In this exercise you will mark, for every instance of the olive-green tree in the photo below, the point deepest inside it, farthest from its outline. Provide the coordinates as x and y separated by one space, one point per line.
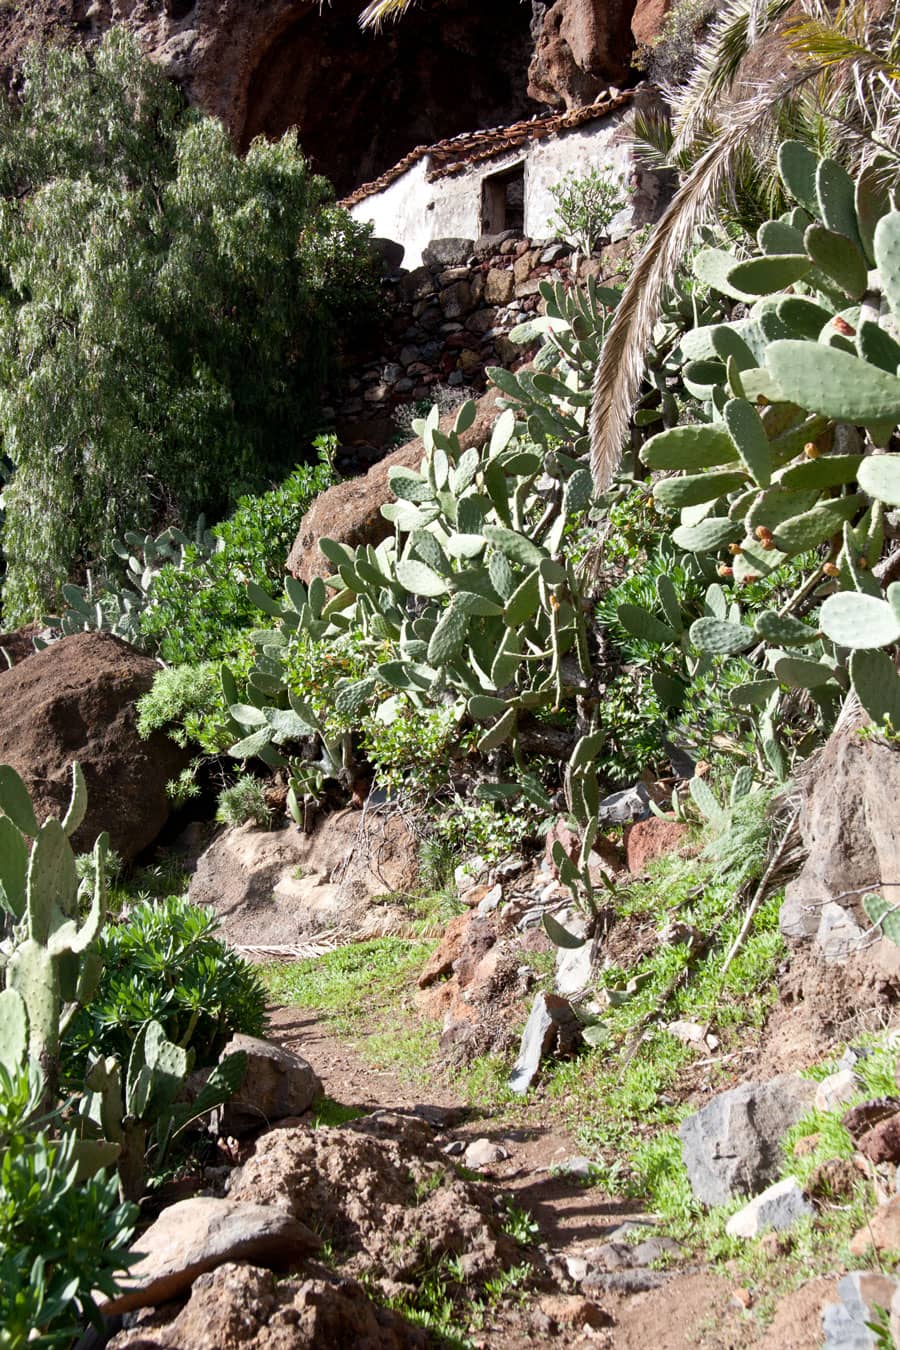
168 310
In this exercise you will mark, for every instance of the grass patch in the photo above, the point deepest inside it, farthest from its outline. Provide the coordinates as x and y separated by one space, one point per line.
364 992
327 1112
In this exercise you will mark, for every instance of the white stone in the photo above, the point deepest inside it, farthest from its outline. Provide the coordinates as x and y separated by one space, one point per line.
776 1208
483 1153
836 1090
690 1032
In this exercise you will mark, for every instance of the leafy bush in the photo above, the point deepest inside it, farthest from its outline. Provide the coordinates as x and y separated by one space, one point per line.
165 963
244 803
61 1240
585 206
188 703
198 610
169 312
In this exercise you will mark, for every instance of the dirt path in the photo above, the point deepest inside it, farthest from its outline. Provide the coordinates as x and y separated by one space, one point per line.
696 1308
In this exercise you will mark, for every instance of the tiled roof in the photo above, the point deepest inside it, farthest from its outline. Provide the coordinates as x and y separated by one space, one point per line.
459 152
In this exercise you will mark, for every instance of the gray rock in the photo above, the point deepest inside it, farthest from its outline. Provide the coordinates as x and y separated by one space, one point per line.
490 901
389 250
656 1249
610 1256
733 1145
555 252
455 1148
579 1167
552 1025
483 1153
625 1281
859 1294
447 252
574 965
200 1234
622 807
778 1207
488 244
851 831
277 1084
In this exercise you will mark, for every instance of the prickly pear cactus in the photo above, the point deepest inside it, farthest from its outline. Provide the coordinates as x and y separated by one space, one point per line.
49 963
796 403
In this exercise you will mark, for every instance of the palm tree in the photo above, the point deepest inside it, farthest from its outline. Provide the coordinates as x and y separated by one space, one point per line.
846 66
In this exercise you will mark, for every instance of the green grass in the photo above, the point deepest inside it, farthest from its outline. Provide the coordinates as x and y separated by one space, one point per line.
364 992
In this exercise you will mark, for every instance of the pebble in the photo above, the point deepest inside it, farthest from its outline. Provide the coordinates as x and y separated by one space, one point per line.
483 1153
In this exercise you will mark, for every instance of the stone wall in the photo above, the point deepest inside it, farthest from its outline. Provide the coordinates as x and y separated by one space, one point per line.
449 320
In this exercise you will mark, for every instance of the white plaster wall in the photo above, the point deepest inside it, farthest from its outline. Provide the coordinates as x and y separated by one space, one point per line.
413 211
599 145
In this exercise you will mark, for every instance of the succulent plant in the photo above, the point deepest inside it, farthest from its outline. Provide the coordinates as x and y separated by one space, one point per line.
50 967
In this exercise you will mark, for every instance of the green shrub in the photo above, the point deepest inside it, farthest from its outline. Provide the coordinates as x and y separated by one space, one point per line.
165 962
244 802
585 206
61 1240
199 609
170 309
187 702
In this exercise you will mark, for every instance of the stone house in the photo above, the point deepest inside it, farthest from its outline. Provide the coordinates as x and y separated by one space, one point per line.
485 182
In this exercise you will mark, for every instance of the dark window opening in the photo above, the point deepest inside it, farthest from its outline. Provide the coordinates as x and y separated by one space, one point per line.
503 201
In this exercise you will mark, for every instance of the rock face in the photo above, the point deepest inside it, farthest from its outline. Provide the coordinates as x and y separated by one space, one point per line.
733 1145
581 46
277 1084
844 1323
246 1308
76 701
197 1235
850 827
263 66
279 887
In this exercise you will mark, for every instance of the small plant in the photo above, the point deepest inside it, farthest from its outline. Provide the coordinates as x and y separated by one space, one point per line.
585 206
166 963
61 1240
187 703
521 1225
244 803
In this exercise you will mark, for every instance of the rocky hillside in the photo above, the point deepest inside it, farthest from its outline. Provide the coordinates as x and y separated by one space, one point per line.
265 66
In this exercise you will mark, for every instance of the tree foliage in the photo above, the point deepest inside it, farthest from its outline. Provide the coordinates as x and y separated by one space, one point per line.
168 310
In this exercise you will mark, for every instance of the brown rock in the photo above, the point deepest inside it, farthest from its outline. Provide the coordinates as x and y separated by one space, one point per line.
381 1190
882 1142
277 1084
882 1232
523 265
280 887
651 838
832 1180
583 44
440 963
242 1307
560 833
499 286
76 701
571 1310
648 19
860 1119
197 1235
18 644
350 512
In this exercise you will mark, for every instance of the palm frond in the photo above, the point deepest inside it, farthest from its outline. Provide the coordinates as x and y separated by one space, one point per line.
718 66
623 358
375 13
